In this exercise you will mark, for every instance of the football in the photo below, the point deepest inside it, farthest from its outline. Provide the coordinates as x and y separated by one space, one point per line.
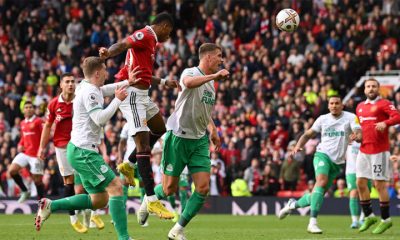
287 20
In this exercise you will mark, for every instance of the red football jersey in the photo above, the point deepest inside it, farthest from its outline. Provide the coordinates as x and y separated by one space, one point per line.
370 113
60 112
141 53
31 130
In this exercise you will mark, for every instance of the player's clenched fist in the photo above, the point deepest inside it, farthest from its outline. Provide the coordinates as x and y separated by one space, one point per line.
103 53
121 93
222 74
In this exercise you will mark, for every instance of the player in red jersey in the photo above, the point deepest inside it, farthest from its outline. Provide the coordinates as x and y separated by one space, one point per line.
59 111
31 129
376 115
143 116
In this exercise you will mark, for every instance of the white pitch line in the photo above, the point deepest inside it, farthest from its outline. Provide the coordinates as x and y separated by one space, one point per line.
334 238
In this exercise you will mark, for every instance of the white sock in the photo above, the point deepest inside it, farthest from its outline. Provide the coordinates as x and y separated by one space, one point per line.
362 216
73 218
152 198
354 218
386 220
178 227
371 215
292 205
132 165
313 221
94 213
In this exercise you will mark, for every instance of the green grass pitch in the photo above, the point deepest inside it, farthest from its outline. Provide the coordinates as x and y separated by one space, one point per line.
203 227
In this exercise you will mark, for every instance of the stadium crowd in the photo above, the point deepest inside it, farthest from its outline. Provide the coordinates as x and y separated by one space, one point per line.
279 81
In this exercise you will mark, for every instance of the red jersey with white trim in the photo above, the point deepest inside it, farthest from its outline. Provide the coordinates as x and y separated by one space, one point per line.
370 113
31 130
60 113
142 53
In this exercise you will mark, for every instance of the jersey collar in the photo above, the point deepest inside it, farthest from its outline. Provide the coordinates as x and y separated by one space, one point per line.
61 99
372 101
152 31
30 119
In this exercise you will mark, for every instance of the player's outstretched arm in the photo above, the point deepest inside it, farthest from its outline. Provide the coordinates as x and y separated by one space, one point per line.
115 49
197 81
101 116
109 89
309 134
167 82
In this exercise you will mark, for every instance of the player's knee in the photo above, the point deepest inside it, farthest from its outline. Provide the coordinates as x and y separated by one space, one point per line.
115 188
361 185
98 203
143 147
380 187
170 190
203 189
12 170
321 183
37 181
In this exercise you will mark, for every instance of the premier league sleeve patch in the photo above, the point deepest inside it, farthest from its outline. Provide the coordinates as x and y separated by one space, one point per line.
139 35
93 100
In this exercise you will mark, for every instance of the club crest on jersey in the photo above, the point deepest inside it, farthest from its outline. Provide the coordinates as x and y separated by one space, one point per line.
103 168
170 168
139 35
59 110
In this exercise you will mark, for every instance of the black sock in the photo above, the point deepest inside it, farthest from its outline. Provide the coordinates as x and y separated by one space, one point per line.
153 139
18 180
40 190
384 210
146 172
69 191
366 207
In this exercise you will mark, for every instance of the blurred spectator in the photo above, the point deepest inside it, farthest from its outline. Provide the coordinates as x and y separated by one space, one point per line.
290 172
270 184
239 187
341 190
216 180
253 177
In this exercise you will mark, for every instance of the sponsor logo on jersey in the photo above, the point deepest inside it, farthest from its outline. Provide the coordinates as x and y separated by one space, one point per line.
362 119
208 98
331 132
